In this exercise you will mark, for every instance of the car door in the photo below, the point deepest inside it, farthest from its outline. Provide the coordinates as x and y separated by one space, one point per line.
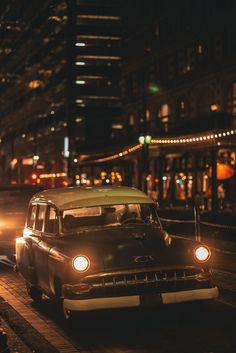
24 246
47 224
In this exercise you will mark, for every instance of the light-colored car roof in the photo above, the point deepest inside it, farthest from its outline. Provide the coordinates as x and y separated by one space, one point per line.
72 197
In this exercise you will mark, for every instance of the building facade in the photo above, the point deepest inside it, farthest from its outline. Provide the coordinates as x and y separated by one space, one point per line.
179 83
179 87
59 85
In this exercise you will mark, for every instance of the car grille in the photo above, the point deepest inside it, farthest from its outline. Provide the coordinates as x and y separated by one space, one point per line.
138 282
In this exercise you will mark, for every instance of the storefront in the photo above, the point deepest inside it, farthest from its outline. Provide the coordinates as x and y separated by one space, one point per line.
178 170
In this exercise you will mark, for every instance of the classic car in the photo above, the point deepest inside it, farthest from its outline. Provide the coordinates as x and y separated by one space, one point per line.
14 200
105 247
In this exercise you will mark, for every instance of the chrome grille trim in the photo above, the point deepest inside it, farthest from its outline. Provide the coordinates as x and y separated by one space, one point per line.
119 280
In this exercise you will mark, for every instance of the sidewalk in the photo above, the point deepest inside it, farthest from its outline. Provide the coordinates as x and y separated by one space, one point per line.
12 342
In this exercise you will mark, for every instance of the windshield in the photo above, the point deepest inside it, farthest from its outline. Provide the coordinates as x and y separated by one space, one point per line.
112 215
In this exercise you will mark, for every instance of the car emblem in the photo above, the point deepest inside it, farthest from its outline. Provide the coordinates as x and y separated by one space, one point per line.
143 258
140 236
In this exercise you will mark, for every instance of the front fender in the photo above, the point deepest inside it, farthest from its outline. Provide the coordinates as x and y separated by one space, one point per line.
58 268
24 259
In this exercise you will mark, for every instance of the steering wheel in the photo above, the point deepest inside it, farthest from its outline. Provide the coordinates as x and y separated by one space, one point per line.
133 219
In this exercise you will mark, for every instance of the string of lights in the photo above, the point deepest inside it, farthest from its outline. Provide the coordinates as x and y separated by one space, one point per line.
194 139
52 175
178 140
117 155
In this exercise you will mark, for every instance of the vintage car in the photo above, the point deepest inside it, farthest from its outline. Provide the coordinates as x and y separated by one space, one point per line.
14 201
104 247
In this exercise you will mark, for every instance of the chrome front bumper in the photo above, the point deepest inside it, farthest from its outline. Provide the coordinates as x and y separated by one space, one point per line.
136 300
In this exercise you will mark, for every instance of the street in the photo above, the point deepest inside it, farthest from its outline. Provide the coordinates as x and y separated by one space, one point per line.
193 327
117 176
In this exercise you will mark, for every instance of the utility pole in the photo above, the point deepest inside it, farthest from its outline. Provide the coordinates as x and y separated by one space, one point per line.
214 180
145 140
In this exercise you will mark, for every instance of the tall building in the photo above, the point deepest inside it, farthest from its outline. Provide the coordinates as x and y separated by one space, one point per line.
179 87
98 61
59 85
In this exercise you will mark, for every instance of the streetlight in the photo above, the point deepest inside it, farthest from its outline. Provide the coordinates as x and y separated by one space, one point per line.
150 88
145 140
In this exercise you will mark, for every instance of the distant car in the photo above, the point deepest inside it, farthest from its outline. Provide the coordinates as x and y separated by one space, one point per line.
14 200
104 247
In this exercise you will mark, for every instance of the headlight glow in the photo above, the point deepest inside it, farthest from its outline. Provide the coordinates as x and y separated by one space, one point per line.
81 263
202 253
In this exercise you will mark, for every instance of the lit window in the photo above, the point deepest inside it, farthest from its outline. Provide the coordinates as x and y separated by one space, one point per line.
80 63
214 107
100 97
100 57
79 119
99 17
164 116
131 120
35 84
148 115
80 44
99 37
181 108
55 18
199 48
117 126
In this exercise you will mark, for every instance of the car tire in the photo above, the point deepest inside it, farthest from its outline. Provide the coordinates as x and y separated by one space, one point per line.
34 293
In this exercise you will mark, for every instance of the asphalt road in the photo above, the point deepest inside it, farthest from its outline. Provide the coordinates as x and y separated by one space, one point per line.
194 327
183 328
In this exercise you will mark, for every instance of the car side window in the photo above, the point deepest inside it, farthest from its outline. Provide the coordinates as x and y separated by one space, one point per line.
31 216
51 221
40 217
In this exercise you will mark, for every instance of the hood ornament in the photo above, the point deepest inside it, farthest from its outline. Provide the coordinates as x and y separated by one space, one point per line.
143 259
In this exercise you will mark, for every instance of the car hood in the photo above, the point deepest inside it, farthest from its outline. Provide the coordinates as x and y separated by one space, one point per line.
129 247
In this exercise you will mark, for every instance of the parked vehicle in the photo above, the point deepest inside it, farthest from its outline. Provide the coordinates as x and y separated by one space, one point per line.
104 247
14 200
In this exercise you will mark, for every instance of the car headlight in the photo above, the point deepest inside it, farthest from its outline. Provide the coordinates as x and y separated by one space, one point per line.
81 263
202 253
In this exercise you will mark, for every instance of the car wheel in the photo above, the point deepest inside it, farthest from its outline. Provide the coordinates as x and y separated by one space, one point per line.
34 292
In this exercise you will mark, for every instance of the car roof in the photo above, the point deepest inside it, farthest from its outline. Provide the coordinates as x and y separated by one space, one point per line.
73 197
